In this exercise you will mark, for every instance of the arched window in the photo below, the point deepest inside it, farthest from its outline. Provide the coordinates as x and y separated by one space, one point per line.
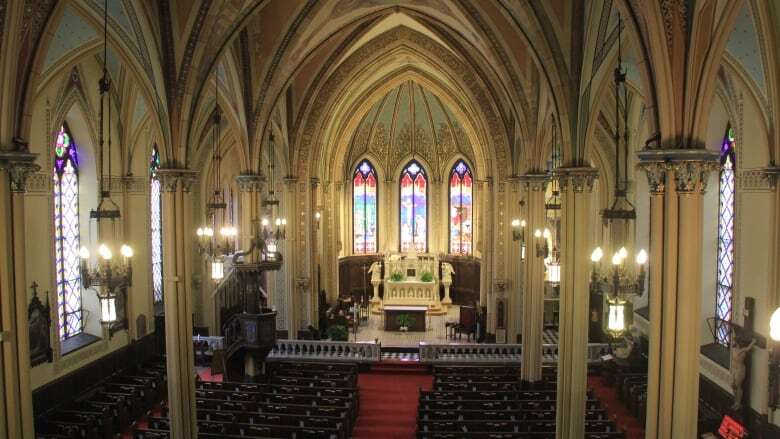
66 235
725 286
414 208
364 204
461 207
155 209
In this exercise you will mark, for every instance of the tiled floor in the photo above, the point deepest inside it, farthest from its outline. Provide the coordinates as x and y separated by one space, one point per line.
435 332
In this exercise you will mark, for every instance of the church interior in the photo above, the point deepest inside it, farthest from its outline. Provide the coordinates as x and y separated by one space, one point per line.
389 219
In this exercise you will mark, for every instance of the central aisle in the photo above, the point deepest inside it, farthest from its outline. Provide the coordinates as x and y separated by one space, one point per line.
389 395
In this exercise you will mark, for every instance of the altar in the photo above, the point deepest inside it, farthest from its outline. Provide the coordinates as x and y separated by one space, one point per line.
411 280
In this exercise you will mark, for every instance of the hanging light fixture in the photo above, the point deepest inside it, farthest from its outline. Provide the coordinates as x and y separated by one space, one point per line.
552 208
620 280
106 275
216 248
273 228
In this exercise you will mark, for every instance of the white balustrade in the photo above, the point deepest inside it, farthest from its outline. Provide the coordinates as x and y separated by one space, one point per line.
363 352
497 353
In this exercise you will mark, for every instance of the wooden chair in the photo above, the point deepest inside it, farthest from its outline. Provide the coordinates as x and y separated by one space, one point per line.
467 323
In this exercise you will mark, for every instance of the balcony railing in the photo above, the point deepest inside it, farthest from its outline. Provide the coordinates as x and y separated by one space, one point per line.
368 352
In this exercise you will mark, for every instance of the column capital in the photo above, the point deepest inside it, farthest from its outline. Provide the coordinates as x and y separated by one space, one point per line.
581 179
656 175
172 178
691 166
771 174
534 182
250 182
19 164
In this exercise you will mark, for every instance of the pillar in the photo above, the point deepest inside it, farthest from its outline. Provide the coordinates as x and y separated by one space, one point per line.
533 193
576 188
177 204
16 403
250 188
675 280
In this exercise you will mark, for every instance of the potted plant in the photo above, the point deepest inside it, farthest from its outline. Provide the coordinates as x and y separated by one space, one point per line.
338 333
404 322
427 276
396 277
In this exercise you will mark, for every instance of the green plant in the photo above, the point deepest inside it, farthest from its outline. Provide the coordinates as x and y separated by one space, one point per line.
338 333
427 276
405 320
397 277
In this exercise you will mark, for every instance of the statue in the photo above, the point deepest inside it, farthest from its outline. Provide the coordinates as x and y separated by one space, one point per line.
446 272
376 272
738 354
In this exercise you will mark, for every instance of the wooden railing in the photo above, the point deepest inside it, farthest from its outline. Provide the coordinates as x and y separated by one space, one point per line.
364 352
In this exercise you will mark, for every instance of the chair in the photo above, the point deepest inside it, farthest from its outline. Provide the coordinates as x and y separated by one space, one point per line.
468 322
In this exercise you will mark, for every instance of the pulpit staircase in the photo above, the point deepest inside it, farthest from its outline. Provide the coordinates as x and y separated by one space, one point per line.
249 327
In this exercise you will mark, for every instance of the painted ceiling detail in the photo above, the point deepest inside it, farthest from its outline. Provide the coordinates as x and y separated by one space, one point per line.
72 32
139 111
408 120
744 46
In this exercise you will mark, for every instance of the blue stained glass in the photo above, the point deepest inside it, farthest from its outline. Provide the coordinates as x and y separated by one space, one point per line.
364 209
155 210
726 215
461 207
66 236
414 209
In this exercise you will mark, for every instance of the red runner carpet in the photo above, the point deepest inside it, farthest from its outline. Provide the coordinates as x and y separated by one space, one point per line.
389 394
615 408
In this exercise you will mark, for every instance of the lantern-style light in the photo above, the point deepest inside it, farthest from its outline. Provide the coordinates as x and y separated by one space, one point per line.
107 308
774 325
616 319
217 269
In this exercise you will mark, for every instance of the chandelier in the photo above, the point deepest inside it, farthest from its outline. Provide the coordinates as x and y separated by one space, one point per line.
106 275
273 228
619 280
215 248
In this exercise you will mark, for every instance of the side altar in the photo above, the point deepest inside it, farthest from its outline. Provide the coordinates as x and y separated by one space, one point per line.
411 279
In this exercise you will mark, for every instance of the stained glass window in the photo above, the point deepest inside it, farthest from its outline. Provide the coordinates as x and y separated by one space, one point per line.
725 288
155 210
461 202
414 208
364 203
66 235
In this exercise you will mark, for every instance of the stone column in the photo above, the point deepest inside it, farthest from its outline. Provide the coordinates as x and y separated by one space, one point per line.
675 279
15 167
177 203
533 192
576 187
250 187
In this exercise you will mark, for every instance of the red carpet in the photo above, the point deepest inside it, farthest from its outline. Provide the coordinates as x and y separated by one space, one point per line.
616 410
388 401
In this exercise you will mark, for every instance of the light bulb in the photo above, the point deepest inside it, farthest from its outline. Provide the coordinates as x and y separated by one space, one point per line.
317 215
224 231
522 223
264 222
617 320
546 234
515 223
199 232
774 325
83 252
623 252
284 221
538 233
208 231
278 222
126 251
616 259
105 252
641 257
597 255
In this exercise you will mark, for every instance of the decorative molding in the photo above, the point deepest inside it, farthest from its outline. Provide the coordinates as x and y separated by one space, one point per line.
134 185
675 17
171 178
534 182
656 175
758 180
691 176
250 182
80 356
691 167
39 183
20 165
581 179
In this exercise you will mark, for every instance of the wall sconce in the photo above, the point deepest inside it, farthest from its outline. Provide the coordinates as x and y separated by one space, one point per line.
518 230
540 240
